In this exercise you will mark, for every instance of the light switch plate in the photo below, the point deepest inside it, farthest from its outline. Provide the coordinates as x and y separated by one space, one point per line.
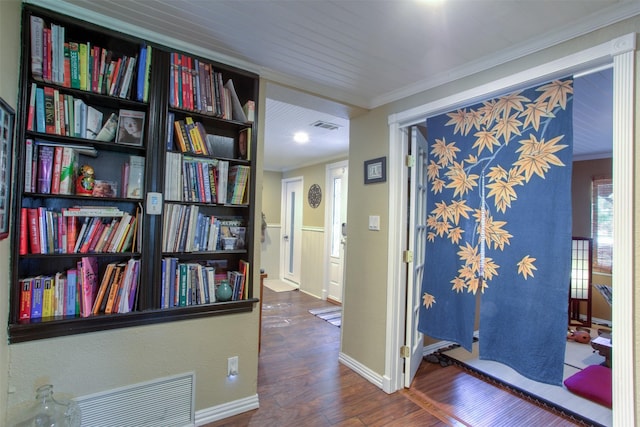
374 222
154 203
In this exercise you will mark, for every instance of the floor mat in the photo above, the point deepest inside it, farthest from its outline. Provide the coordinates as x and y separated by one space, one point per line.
278 285
332 315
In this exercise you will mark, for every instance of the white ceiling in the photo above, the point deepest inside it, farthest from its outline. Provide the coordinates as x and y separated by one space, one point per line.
359 53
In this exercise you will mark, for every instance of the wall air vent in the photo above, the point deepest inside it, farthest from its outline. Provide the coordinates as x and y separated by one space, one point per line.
325 125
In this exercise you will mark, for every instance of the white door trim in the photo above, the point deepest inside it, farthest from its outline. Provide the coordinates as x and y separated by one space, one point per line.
620 53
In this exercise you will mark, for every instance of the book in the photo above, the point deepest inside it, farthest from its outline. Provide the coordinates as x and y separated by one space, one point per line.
25 299
147 75
135 182
103 288
249 109
68 170
108 131
93 123
45 168
130 127
37 54
49 110
220 146
244 144
181 136
40 111
71 292
48 297
31 116
140 78
237 112
89 271
74 63
57 167
36 297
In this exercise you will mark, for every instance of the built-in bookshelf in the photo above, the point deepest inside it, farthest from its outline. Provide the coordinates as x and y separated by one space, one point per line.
135 182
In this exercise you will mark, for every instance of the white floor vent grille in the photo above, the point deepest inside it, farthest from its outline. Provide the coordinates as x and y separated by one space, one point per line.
162 402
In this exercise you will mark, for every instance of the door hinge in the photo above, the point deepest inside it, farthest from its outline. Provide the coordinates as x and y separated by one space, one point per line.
409 161
407 256
404 352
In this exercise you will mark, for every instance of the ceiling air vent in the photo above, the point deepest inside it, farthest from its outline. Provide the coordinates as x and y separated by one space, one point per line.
325 125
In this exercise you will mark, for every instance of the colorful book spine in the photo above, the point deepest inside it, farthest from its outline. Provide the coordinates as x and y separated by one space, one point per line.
36 298
45 168
25 299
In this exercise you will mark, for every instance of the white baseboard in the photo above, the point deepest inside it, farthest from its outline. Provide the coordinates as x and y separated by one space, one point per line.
361 370
226 410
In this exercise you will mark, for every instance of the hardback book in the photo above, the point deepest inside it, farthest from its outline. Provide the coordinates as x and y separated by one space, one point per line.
249 109
74 62
79 117
34 230
49 110
45 168
57 168
140 77
147 75
40 113
130 127
135 182
24 231
244 144
127 77
28 166
32 107
36 28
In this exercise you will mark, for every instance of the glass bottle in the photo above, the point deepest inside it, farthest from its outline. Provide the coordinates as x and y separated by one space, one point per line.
48 412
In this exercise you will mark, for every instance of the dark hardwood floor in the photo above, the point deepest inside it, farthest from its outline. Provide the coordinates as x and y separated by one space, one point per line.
301 383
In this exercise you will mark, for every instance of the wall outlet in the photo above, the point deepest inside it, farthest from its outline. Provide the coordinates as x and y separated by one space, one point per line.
232 366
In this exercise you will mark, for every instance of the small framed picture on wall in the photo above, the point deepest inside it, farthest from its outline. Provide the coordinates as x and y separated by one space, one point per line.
7 118
375 170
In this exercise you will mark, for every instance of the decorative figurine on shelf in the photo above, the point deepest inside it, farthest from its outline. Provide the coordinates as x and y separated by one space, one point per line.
224 291
85 181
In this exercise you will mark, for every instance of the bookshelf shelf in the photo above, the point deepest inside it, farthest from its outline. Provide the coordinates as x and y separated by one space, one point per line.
130 275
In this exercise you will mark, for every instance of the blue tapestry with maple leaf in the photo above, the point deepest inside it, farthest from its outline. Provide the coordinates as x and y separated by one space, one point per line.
499 221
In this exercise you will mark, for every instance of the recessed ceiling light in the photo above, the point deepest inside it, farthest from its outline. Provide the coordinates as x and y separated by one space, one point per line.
301 137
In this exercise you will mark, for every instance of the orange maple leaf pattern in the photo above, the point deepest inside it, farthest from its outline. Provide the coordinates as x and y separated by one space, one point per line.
495 123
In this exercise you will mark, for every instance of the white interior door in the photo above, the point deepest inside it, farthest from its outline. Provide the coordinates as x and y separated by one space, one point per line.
291 252
336 220
414 340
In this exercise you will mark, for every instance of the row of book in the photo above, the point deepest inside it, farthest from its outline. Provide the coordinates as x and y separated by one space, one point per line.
185 284
81 65
192 137
74 292
102 230
55 113
195 86
52 168
204 180
186 229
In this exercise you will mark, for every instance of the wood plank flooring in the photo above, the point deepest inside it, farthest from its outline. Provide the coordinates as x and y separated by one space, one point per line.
301 383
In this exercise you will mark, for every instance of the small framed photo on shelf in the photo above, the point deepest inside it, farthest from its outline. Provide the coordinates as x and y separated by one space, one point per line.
130 127
7 120
375 170
102 188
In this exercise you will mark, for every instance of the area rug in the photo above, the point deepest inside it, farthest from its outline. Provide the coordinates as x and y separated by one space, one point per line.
278 285
577 357
332 315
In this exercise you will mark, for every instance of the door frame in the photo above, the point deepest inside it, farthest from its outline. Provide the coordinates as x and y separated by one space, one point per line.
620 54
297 255
328 208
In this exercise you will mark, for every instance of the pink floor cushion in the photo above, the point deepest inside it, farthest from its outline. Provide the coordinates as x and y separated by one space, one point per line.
593 383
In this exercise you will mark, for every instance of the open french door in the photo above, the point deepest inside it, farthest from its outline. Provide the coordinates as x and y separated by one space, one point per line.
417 230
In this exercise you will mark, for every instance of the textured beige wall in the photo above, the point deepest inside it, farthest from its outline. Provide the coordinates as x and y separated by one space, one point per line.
314 174
365 289
271 195
9 52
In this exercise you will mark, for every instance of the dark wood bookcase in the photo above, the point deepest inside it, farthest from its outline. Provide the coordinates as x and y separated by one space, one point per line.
149 304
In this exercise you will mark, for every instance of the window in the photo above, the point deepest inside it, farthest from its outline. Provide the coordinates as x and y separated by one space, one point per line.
602 223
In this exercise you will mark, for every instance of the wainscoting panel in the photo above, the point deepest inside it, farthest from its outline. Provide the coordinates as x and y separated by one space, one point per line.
312 261
270 251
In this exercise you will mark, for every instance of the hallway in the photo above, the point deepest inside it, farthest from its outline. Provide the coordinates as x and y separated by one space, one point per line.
301 383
